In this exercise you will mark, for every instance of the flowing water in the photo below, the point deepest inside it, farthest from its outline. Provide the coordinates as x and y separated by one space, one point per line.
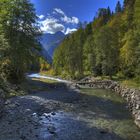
98 114
58 112
37 75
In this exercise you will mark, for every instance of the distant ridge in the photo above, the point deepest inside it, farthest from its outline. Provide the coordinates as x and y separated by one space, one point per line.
50 42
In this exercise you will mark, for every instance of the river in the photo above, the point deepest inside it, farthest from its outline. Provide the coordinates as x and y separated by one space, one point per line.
56 111
37 75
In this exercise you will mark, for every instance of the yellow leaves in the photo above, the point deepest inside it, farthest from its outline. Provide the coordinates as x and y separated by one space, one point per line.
97 23
6 62
127 52
115 20
44 65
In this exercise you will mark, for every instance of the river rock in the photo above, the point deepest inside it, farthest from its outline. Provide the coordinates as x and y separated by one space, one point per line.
51 129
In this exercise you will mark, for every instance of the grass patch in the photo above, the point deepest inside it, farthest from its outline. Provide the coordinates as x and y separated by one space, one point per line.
132 83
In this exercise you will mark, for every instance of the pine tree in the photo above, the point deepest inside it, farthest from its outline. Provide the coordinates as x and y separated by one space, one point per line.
108 45
108 12
118 8
107 51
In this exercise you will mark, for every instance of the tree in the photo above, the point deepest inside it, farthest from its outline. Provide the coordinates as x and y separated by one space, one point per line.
137 34
107 51
128 4
108 11
137 14
106 46
130 53
4 46
18 22
118 8
125 3
104 14
88 55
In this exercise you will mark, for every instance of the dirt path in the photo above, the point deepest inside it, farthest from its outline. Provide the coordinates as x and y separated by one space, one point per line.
58 112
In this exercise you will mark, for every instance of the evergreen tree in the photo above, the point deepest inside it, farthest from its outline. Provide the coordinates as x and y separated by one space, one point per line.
104 14
88 55
108 12
130 53
107 51
106 46
118 8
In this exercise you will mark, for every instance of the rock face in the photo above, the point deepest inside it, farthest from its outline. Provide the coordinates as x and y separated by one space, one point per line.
132 96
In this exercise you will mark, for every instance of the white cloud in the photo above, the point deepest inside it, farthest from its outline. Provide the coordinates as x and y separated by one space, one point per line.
57 22
69 31
51 25
41 17
73 20
59 11
65 18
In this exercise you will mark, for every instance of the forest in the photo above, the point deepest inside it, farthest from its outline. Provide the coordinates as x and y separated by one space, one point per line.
19 39
80 95
107 46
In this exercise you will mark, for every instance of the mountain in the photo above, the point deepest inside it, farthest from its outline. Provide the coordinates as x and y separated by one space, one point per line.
45 54
50 42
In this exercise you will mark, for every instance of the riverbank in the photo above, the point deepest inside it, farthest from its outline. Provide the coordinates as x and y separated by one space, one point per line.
8 90
59 111
132 96
130 83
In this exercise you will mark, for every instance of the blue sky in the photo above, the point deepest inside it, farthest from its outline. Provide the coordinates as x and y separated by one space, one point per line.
67 13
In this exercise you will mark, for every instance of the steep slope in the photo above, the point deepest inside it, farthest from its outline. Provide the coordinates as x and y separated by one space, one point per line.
45 54
51 41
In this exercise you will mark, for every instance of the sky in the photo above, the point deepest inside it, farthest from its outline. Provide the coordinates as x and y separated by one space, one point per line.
64 15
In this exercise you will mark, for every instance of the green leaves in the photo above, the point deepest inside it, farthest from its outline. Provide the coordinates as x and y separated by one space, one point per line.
108 45
20 30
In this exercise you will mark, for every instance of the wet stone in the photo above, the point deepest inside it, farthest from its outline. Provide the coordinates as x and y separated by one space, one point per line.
53 113
51 129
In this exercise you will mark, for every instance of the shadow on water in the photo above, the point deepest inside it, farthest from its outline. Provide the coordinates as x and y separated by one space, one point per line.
70 124
70 128
66 127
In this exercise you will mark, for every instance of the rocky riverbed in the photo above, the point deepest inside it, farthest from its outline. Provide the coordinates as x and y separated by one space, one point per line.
59 111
